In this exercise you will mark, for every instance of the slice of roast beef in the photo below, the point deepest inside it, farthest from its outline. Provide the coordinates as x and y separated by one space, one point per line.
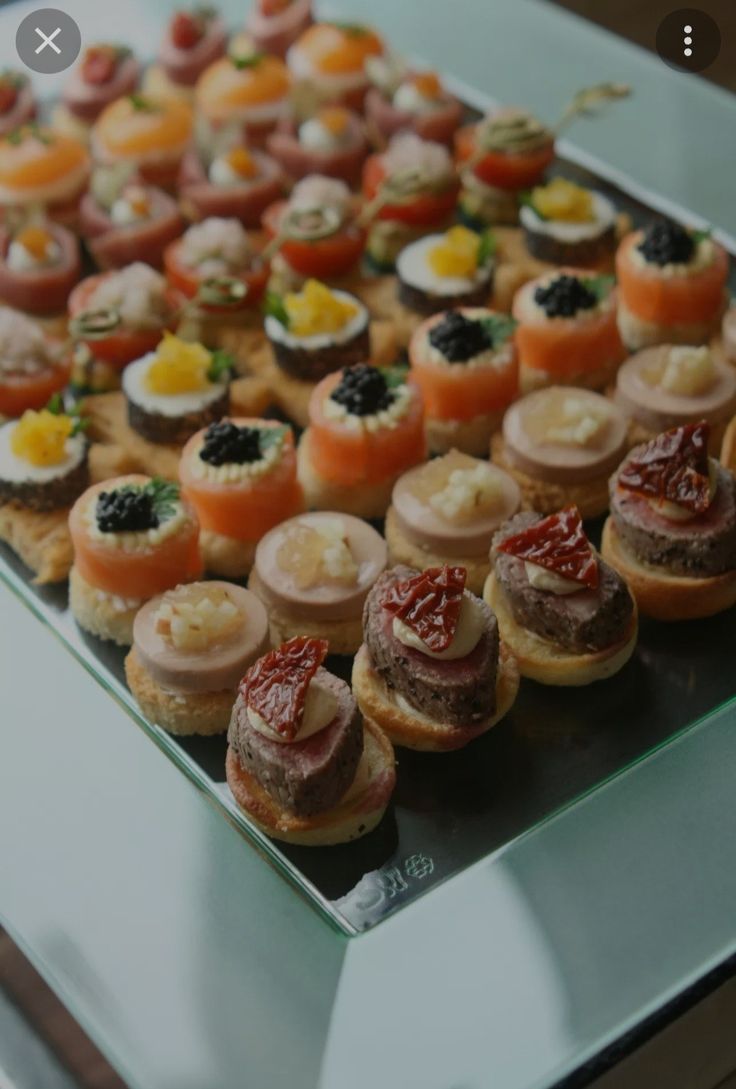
699 548
585 621
310 776
459 692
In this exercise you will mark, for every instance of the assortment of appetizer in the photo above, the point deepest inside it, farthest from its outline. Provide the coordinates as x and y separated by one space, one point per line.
123 219
33 365
316 331
230 181
191 647
194 39
440 271
39 266
151 135
301 762
565 614
248 91
566 224
104 72
401 100
274 25
331 58
42 167
332 142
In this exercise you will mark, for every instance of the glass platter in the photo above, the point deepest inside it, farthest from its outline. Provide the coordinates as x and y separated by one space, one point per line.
453 809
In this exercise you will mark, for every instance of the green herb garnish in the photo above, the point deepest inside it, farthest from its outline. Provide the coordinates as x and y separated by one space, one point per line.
527 199
247 60
221 366
486 248
395 375
355 30
599 286
701 234
57 407
271 436
164 495
142 104
499 328
273 307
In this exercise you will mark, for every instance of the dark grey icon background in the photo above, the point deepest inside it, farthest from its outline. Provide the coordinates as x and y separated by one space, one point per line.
68 41
704 44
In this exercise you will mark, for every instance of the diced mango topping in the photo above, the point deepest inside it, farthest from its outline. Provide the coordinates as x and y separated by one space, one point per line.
178 367
36 240
427 84
457 254
564 201
242 162
40 437
193 618
334 119
316 310
318 556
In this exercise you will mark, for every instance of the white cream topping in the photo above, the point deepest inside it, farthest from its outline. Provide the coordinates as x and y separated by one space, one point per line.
466 491
23 346
319 191
467 635
409 99
320 707
388 417
352 328
20 259
126 211
703 255
135 388
216 246
301 66
407 151
314 135
138 540
137 293
604 217
232 472
17 470
689 371
222 172
542 579
413 267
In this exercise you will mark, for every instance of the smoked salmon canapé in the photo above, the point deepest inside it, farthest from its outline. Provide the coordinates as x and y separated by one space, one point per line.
124 219
42 167
195 37
104 72
331 142
249 91
17 101
39 265
331 58
315 234
33 365
134 537
122 314
410 190
402 100
240 476
567 332
464 361
672 286
366 427
151 135
231 181
274 25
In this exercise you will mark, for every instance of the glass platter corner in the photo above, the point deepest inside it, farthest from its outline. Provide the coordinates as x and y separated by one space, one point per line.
451 810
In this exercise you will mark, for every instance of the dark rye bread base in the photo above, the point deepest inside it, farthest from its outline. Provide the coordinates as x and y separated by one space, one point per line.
700 548
312 365
427 302
175 430
56 494
305 777
589 620
588 251
460 692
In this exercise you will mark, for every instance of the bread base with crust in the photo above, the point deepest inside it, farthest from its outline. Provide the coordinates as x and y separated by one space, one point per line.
101 614
410 728
344 636
346 821
402 550
637 333
40 538
728 449
663 596
362 500
226 556
533 378
542 661
590 496
471 437
183 714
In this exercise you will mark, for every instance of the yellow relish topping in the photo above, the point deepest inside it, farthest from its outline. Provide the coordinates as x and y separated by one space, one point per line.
40 437
36 241
457 254
316 310
563 200
179 367
242 162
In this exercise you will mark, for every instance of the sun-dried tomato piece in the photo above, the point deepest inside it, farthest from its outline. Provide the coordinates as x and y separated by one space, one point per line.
673 467
557 543
186 30
429 603
276 686
99 64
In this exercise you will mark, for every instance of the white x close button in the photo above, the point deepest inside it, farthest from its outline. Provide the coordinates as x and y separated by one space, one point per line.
48 40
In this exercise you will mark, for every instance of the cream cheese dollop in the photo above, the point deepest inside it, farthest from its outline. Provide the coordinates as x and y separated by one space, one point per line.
467 635
20 259
320 707
542 579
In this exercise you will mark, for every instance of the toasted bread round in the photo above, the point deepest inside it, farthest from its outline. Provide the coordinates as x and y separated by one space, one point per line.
402 550
357 815
470 436
344 636
728 449
363 500
532 378
637 333
100 613
664 596
547 663
226 556
410 728
203 713
590 497
40 538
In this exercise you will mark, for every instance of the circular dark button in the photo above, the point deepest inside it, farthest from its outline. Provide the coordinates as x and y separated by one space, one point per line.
48 41
688 39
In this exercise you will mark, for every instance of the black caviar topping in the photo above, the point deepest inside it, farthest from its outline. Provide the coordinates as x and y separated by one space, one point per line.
227 444
363 390
126 510
564 296
666 243
459 338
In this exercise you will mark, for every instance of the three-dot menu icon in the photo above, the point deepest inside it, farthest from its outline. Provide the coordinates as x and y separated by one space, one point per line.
688 39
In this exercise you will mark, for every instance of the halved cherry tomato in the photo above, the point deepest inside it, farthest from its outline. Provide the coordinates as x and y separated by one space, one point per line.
670 300
323 259
244 509
452 391
427 210
353 456
122 345
141 574
504 170
183 278
21 391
